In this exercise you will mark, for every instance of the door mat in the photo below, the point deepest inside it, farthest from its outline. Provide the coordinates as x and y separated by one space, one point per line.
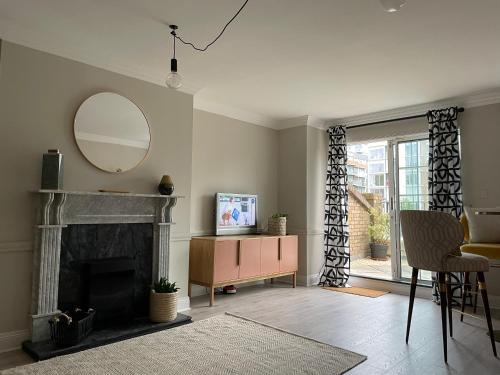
358 291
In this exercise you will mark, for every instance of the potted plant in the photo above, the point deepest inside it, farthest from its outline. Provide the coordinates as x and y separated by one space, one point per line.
163 301
277 224
379 233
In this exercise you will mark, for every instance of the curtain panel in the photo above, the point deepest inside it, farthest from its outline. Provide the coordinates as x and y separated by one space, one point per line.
445 187
336 237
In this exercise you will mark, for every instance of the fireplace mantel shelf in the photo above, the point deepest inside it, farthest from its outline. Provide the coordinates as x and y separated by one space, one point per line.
106 193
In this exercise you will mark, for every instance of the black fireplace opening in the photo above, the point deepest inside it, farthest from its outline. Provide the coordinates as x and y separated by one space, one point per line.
108 288
107 267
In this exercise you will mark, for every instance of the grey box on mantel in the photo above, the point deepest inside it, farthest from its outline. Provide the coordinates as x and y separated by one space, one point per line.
52 170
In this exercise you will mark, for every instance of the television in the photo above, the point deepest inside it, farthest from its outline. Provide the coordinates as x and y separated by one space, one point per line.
235 214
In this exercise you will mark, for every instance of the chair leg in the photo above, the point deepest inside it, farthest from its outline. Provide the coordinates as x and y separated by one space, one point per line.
414 276
465 290
484 295
449 301
442 297
474 310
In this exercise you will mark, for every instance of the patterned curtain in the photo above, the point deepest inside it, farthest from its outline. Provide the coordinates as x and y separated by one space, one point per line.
445 188
336 239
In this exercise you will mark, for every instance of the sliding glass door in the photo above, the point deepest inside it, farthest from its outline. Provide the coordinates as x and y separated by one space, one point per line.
385 177
411 191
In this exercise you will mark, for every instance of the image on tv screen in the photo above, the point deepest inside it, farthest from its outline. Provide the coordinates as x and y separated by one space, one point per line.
236 211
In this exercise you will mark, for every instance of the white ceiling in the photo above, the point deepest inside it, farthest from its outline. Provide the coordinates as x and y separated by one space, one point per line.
280 58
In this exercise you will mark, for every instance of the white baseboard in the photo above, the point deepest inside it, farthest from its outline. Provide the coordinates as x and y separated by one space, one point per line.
12 340
183 304
309 280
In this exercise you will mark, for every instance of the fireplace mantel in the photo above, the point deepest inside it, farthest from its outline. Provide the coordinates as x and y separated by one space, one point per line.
60 208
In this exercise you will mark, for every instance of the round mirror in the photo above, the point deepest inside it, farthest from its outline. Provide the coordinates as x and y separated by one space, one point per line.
112 132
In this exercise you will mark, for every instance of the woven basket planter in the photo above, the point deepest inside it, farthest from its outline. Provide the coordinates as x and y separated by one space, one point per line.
277 226
162 307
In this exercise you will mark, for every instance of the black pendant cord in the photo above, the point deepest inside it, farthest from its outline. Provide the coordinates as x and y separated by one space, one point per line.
461 109
213 41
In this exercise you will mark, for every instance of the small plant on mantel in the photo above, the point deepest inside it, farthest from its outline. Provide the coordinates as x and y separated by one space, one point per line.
163 301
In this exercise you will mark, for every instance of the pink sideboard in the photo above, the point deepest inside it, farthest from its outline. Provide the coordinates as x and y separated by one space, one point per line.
216 261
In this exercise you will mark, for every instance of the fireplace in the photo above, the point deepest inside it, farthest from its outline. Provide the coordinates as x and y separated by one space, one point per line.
63 216
102 249
106 267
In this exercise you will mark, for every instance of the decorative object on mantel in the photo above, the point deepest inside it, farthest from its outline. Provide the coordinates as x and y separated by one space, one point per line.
174 79
112 132
163 301
277 224
69 328
166 186
52 170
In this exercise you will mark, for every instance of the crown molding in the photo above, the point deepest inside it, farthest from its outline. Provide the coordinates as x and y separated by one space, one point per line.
475 99
234 112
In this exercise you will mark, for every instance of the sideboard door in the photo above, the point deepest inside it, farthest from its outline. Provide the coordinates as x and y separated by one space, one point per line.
288 254
249 257
226 260
269 250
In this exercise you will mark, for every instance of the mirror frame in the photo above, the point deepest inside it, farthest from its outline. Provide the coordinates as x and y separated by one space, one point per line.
145 118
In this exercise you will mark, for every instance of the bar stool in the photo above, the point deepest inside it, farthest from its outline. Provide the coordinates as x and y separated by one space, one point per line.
430 238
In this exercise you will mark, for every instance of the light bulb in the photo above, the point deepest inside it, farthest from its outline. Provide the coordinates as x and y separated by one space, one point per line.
174 80
392 6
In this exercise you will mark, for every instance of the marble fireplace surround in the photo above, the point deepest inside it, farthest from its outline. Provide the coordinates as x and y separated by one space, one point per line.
59 208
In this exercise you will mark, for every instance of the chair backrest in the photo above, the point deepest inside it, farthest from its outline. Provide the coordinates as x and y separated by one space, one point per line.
429 237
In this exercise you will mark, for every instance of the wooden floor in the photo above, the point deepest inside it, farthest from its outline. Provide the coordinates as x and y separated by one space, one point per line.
371 326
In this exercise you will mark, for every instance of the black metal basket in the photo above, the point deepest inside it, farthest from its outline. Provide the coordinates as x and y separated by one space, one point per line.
64 334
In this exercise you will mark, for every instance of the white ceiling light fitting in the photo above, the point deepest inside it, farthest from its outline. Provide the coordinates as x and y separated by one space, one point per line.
174 79
392 6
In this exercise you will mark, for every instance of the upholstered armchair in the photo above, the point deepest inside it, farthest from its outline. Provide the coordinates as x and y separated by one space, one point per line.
431 240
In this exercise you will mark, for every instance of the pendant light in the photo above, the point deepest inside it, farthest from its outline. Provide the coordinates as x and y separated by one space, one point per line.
174 79
392 6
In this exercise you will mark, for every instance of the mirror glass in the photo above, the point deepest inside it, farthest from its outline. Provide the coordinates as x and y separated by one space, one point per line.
112 132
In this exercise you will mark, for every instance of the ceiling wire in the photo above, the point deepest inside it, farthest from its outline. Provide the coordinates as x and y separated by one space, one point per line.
216 38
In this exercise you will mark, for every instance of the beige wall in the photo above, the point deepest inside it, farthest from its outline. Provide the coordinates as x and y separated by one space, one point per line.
480 134
234 157
39 95
317 151
292 188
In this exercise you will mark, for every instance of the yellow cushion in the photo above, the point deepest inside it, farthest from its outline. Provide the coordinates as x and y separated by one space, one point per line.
489 250
465 225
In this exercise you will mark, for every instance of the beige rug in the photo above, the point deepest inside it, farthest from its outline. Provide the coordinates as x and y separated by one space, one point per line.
372 293
223 344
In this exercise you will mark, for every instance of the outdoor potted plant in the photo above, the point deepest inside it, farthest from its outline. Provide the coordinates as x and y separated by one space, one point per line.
379 233
163 301
276 225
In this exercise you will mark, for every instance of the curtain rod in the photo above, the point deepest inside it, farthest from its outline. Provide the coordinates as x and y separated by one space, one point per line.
461 109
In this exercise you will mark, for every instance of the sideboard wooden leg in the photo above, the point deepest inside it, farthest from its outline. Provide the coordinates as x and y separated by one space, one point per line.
272 280
212 295
189 289
294 279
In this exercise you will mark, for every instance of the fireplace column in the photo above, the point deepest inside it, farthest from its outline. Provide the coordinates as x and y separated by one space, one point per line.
162 238
46 265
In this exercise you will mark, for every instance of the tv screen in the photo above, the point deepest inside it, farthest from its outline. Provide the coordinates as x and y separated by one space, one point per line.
235 213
